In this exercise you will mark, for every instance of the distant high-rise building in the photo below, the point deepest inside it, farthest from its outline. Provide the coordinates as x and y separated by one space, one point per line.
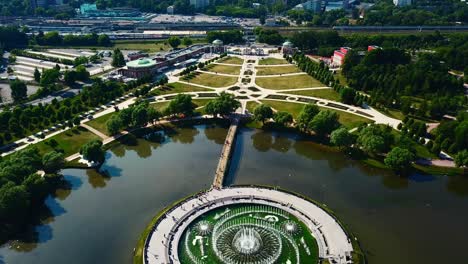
402 2
199 3
312 5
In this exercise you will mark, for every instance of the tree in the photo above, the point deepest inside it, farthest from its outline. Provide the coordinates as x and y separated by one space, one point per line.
153 115
342 138
81 73
461 158
69 77
347 95
139 115
53 162
187 41
118 59
375 139
49 76
324 122
93 151
19 90
262 112
114 125
174 41
222 105
181 104
37 75
306 115
399 159
104 40
283 118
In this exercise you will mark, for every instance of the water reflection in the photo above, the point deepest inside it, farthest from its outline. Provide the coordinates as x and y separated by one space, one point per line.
185 138
458 185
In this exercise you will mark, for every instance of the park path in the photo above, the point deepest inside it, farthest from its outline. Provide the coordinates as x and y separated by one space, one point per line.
95 131
281 75
226 152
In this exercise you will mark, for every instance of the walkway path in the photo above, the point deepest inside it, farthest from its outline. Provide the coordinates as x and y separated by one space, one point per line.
95 131
226 154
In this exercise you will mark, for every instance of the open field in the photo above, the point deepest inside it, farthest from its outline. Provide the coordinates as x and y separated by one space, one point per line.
69 141
329 94
272 61
231 60
346 119
234 70
277 70
100 123
288 82
178 87
213 80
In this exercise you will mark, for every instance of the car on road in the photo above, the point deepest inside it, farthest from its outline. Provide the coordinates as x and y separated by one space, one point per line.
90 117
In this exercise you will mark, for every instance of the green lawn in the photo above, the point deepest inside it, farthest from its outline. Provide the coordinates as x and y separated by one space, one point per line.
272 61
178 87
251 106
346 119
329 94
100 123
231 60
69 141
234 70
161 106
213 80
288 82
277 70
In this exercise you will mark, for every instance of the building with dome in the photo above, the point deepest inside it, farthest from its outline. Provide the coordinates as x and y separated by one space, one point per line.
139 68
217 46
287 48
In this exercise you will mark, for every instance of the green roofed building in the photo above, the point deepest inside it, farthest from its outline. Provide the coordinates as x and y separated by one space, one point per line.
139 68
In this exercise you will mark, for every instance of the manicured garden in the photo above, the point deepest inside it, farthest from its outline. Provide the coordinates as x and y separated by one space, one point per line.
218 68
277 70
178 87
272 61
288 82
212 80
329 94
231 60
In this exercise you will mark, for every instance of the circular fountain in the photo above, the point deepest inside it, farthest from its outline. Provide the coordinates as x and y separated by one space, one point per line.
247 225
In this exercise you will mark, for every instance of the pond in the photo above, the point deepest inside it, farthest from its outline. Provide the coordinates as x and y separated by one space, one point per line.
421 219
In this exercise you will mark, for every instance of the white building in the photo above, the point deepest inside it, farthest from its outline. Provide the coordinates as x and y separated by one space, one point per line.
313 5
402 2
199 3
170 10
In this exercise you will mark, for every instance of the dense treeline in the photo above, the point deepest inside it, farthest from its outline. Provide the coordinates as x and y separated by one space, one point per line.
24 120
385 13
11 37
268 36
229 36
451 48
451 136
53 38
22 190
389 74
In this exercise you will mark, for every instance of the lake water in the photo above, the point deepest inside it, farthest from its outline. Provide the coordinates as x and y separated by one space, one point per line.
422 219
